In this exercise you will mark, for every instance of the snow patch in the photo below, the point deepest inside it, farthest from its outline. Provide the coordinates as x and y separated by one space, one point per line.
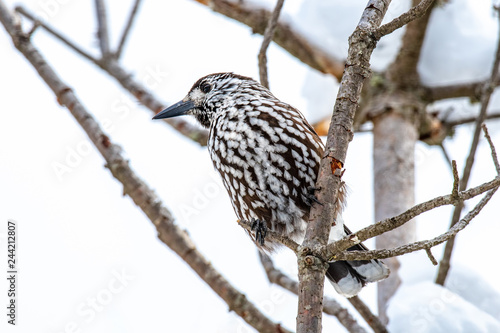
426 307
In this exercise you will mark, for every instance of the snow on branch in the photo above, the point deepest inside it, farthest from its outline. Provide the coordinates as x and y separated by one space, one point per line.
286 36
142 195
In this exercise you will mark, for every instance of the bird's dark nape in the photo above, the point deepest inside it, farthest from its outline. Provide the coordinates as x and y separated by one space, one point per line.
268 156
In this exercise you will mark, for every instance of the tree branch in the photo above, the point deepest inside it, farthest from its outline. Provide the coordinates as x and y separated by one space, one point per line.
405 18
312 269
143 95
450 124
444 265
420 245
21 10
330 306
331 250
365 312
492 147
268 35
126 30
286 36
102 28
142 195
471 90
403 70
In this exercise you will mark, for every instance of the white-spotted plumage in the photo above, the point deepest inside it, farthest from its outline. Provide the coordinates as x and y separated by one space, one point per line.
268 157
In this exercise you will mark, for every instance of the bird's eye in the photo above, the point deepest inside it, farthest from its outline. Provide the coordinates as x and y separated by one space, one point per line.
206 87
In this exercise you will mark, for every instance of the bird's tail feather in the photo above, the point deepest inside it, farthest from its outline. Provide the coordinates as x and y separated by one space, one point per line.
348 277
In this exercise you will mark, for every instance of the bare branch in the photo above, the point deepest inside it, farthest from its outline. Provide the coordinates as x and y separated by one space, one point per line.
431 257
453 123
471 90
405 18
446 155
492 147
142 195
421 245
403 70
485 100
126 30
285 36
102 28
456 180
330 306
56 34
367 315
331 250
145 97
268 35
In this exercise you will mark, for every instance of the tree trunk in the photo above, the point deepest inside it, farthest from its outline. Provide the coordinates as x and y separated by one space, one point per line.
394 137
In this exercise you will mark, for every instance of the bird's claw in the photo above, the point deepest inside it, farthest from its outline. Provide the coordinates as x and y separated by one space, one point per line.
311 198
260 229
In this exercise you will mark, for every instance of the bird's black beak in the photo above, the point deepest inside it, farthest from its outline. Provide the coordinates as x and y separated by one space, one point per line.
178 109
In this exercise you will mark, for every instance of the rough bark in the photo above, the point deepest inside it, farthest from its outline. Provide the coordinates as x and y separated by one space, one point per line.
311 268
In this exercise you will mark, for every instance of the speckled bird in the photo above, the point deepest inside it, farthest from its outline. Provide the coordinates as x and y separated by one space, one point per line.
268 157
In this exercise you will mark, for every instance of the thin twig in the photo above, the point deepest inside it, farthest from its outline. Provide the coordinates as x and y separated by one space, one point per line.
444 265
33 29
142 195
495 114
405 18
420 245
492 147
102 28
330 306
56 34
456 180
143 95
431 257
126 30
365 312
446 155
471 90
331 250
403 70
268 35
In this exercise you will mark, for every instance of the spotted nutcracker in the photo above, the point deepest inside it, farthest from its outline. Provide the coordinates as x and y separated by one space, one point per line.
268 156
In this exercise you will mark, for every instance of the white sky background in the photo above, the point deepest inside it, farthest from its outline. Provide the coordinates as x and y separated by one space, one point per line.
77 232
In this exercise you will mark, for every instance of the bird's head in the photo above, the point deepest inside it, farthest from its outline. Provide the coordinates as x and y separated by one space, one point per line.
207 96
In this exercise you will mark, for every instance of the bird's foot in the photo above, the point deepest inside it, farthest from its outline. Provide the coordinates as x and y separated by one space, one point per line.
260 229
311 197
